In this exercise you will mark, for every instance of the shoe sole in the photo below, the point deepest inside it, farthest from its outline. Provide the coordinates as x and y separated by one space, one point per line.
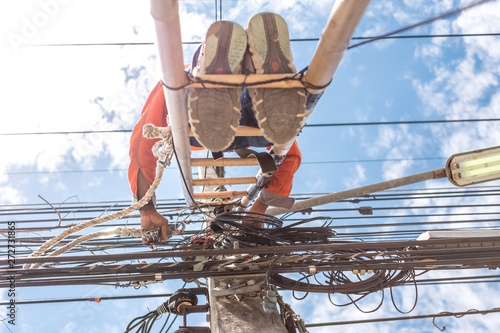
214 114
279 112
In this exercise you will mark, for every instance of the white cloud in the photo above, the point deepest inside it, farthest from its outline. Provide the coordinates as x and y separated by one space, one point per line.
10 195
72 89
301 16
461 88
69 327
357 179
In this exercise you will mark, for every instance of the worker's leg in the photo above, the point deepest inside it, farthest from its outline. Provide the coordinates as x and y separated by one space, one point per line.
277 190
280 185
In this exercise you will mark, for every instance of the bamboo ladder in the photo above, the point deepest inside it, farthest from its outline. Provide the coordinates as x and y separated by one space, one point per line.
342 22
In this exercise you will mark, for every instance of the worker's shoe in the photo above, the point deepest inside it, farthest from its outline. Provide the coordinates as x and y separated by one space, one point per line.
214 114
279 112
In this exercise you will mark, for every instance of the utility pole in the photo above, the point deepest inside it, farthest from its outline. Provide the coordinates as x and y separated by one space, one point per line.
243 304
237 305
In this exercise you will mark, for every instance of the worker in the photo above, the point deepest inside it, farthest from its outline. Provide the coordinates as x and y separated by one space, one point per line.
214 114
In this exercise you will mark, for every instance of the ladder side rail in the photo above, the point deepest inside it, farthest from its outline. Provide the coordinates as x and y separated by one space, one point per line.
334 41
169 42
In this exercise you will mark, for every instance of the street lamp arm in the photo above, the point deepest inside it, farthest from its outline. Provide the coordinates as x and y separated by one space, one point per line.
360 191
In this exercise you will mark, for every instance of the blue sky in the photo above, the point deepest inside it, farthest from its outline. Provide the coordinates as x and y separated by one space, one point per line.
104 87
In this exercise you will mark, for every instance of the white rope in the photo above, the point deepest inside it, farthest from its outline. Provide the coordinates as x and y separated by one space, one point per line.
109 232
162 149
164 153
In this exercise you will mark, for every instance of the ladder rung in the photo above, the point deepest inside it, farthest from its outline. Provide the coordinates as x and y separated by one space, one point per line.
224 181
223 162
242 131
251 79
225 194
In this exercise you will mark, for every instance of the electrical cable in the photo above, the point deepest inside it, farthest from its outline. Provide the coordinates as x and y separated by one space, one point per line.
447 14
408 122
303 163
144 324
313 39
185 182
378 320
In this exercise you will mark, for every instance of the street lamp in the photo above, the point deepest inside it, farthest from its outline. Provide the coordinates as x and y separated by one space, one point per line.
461 169
474 167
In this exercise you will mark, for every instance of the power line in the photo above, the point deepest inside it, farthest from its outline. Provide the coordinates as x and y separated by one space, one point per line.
378 320
406 122
173 168
68 132
85 299
61 171
377 160
439 281
313 39
412 26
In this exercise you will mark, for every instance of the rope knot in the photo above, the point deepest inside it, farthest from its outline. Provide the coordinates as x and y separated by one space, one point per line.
162 149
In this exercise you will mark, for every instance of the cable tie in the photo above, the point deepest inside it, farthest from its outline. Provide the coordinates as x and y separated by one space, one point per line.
158 276
162 308
312 269
173 88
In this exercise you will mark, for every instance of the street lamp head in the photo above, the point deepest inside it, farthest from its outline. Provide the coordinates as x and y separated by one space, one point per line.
474 167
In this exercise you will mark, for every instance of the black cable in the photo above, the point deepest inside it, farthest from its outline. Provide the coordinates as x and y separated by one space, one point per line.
494 34
185 181
61 171
86 299
450 13
314 39
68 132
303 163
378 320
409 122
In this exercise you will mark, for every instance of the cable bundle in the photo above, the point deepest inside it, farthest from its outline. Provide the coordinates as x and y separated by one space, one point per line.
145 323
229 225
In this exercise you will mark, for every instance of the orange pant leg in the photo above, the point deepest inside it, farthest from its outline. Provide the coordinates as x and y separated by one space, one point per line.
141 156
282 181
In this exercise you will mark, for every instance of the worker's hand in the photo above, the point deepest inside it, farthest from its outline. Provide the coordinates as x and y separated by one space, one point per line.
258 207
152 220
